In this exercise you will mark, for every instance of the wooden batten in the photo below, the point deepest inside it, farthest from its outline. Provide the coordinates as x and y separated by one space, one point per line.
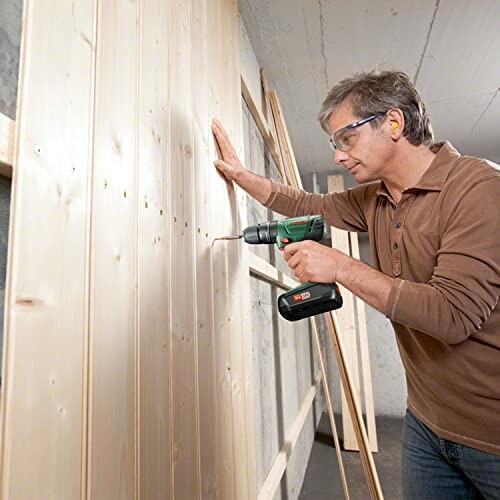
266 271
273 479
262 124
354 409
365 357
331 413
7 128
347 320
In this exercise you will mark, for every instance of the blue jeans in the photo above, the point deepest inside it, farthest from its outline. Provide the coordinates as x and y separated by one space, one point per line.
434 468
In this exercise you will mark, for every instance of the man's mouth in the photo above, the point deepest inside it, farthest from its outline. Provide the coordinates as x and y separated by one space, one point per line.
349 169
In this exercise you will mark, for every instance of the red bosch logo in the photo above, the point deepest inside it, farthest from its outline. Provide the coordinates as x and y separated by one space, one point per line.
301 296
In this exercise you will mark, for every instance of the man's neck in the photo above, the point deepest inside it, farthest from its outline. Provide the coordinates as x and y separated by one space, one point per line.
406 168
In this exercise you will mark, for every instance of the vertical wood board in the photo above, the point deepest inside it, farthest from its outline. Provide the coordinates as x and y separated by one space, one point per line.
43 404
186 481
154 335
113 292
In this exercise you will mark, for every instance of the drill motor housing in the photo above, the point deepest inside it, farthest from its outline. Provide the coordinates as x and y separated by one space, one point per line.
283 232
307 299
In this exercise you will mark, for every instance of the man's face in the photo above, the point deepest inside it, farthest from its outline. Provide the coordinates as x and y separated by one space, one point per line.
368 151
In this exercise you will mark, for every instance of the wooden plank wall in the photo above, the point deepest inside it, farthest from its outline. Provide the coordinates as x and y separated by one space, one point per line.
128 363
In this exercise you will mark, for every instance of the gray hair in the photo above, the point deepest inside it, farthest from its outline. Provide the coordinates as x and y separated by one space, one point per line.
377 92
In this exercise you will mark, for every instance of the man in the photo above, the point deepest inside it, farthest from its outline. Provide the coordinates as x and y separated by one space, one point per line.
432 218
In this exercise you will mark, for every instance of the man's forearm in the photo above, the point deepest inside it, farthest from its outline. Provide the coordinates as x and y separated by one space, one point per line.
367 283
256 186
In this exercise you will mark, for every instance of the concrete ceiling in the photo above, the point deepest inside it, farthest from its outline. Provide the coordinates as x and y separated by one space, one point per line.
450 49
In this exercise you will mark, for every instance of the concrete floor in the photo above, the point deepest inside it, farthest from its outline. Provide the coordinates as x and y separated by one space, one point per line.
322 479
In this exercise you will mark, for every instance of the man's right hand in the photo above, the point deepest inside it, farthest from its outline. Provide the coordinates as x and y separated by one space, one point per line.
231 168
229 165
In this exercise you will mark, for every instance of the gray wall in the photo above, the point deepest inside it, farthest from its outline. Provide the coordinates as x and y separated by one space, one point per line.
10 37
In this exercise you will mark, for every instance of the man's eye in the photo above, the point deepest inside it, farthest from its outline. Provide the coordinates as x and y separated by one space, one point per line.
347 139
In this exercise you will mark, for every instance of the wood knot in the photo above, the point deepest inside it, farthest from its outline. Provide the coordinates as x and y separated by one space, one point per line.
117 147
188 151
28 301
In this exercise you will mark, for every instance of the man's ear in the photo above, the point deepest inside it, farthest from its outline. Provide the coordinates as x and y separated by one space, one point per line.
396 122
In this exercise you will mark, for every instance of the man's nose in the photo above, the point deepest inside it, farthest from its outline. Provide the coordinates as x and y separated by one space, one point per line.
340 156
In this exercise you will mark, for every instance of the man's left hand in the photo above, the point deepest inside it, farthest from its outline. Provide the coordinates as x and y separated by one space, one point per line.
311 261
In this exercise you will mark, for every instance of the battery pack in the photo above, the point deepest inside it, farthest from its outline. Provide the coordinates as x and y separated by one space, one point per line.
308 300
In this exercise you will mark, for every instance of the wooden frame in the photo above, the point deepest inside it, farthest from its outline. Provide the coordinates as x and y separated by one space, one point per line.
7 128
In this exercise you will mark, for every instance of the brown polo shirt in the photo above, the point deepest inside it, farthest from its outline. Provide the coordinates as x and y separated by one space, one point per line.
441 244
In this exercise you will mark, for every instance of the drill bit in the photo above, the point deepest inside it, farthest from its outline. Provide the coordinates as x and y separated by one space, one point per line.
237 237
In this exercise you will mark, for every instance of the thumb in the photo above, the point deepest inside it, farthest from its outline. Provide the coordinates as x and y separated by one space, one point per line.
221 165
223 169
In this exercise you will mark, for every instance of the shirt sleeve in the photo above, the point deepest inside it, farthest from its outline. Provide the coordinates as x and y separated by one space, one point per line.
342 210
465 285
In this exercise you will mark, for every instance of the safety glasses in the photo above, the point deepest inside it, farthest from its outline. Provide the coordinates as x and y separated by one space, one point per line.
345 138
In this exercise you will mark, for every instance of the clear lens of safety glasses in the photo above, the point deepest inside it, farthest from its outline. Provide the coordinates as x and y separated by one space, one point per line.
345 138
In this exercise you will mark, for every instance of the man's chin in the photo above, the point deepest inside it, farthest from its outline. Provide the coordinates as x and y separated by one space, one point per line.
359 176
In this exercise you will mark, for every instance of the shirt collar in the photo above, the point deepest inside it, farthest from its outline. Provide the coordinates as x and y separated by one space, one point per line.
437 173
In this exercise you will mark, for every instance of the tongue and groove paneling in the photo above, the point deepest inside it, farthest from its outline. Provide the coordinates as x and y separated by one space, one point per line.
128 366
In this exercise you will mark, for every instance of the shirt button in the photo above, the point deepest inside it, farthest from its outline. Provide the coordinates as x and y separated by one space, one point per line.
395 246
397 225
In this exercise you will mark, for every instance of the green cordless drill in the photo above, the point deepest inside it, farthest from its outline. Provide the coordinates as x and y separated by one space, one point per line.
307 299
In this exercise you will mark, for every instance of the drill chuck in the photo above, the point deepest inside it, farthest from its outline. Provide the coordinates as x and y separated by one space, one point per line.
264 233
286 231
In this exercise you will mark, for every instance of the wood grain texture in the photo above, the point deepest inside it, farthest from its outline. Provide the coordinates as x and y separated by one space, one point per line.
43 434
113 281
206 335
186 475
115 209
154 401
